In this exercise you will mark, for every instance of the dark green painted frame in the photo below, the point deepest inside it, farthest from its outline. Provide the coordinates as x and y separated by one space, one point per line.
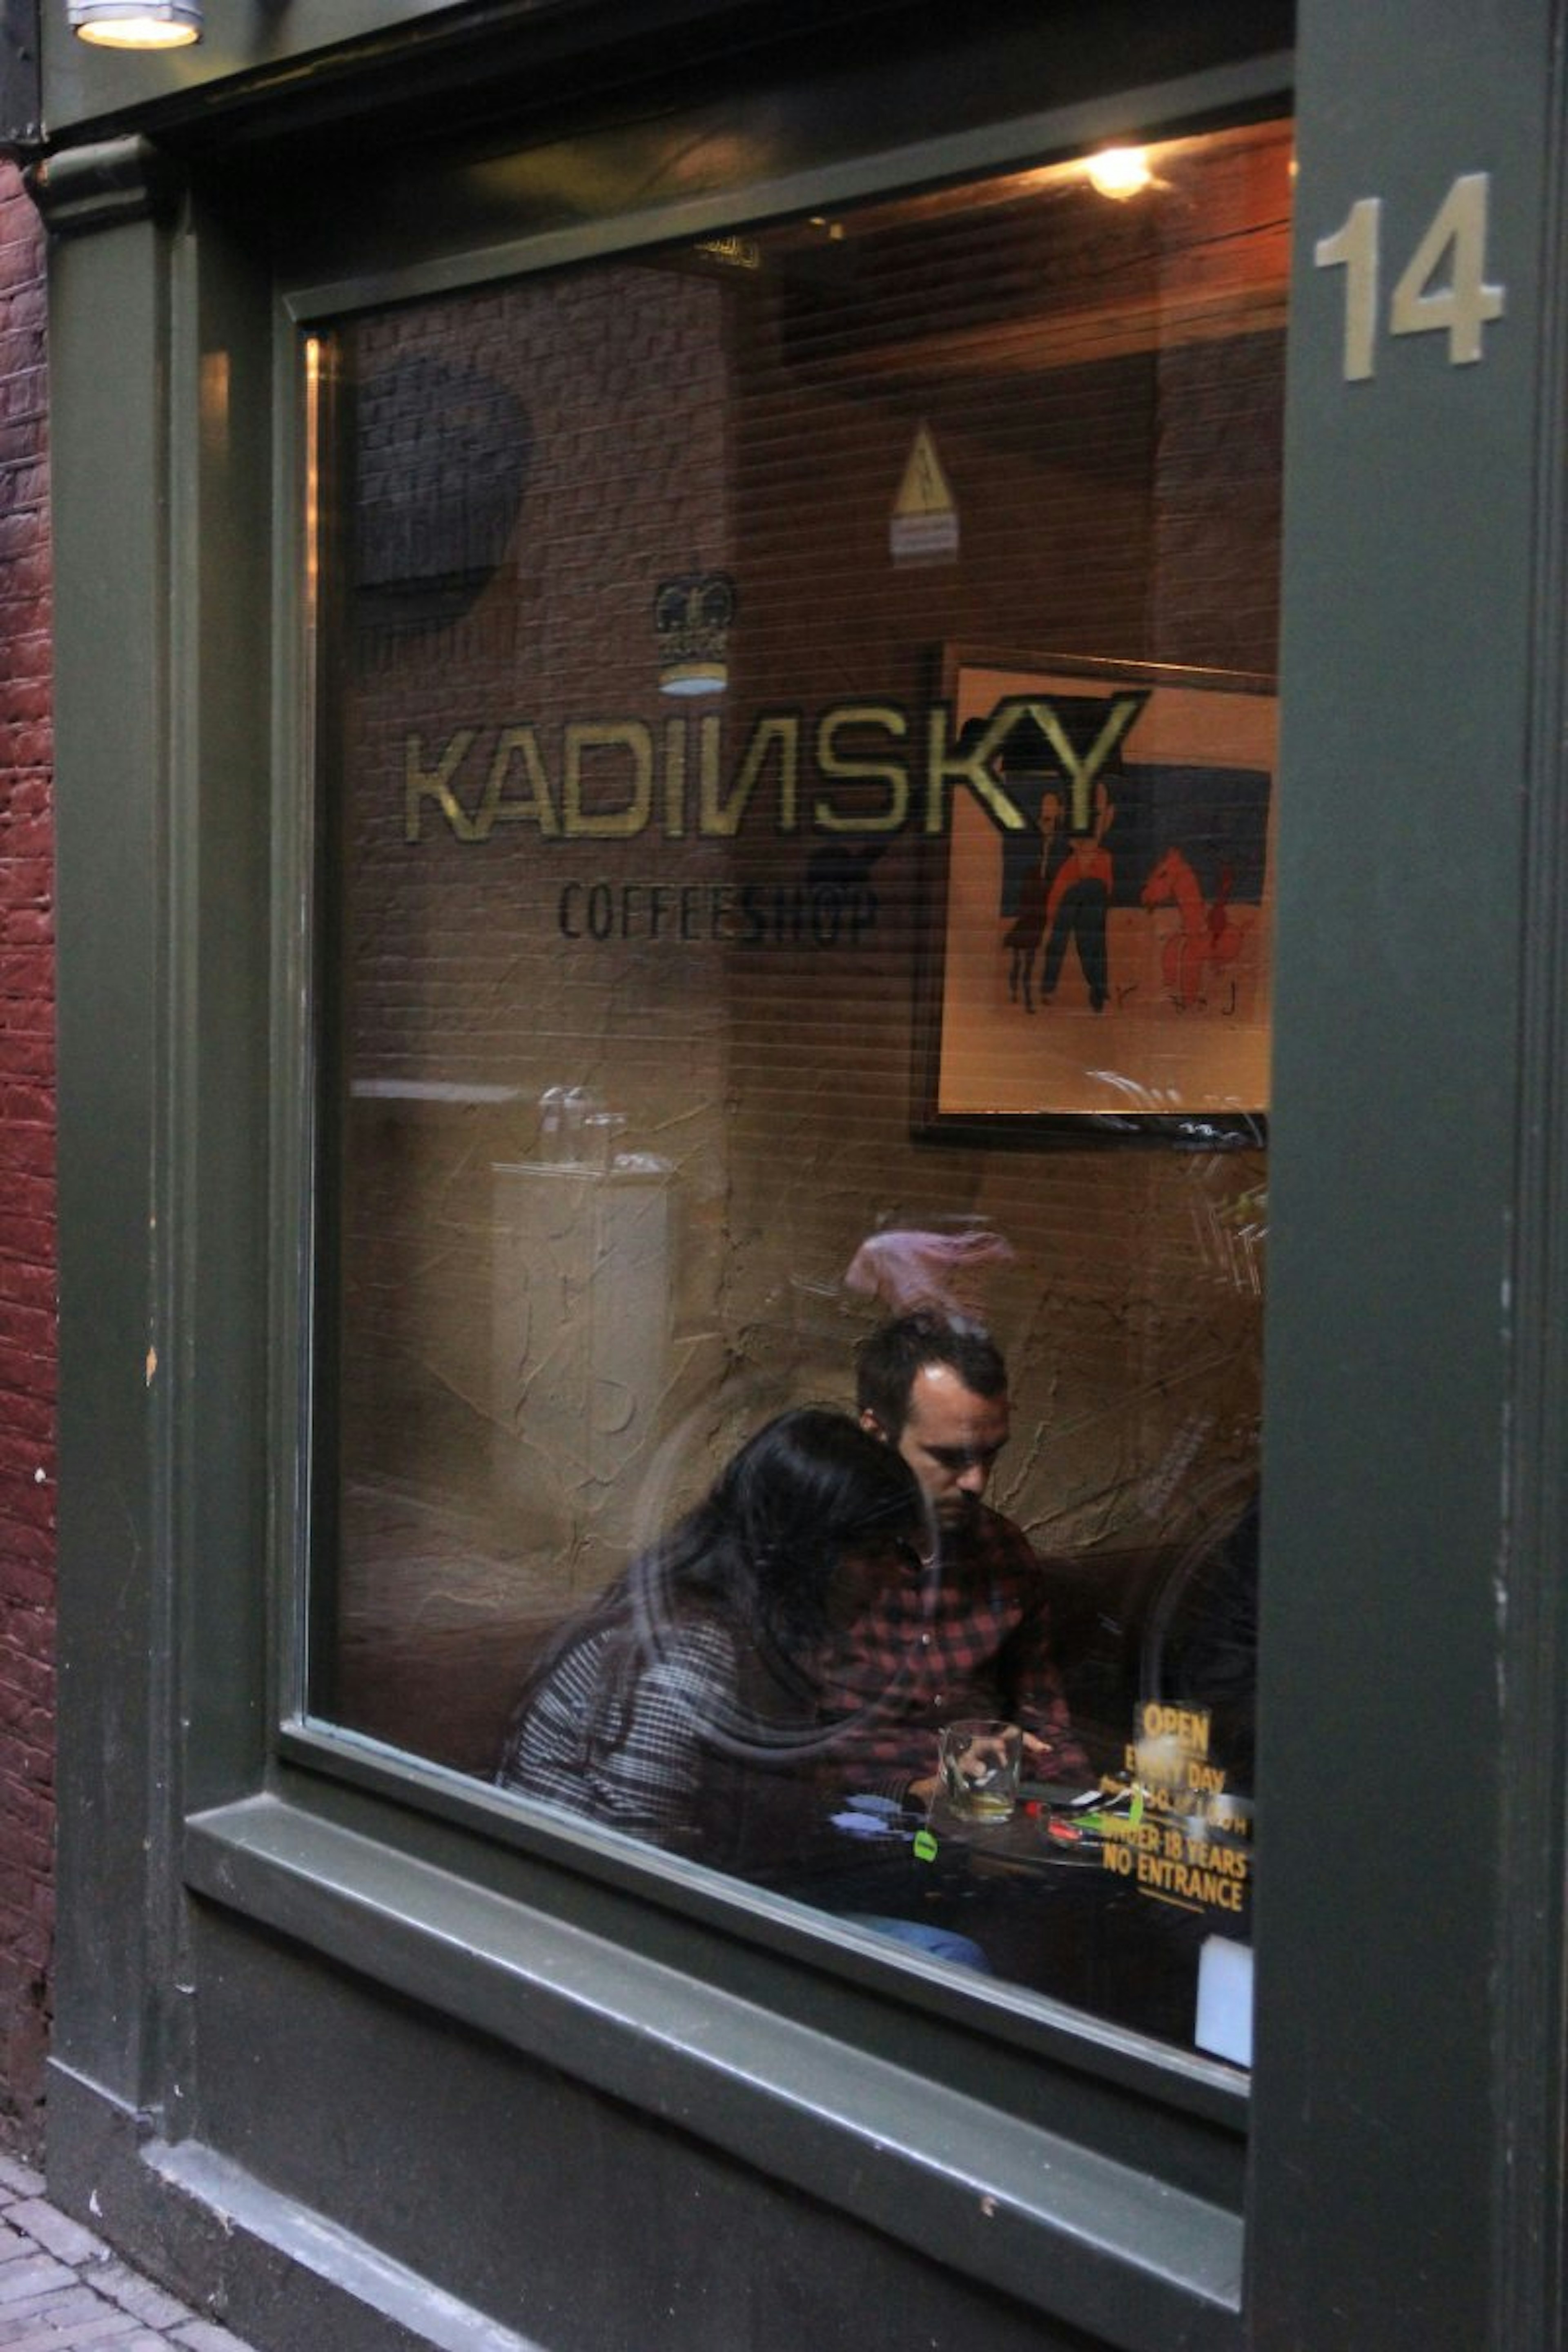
1409 2084
1404 2150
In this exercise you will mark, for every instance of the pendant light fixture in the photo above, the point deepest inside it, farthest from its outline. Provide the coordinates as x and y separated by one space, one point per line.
136 23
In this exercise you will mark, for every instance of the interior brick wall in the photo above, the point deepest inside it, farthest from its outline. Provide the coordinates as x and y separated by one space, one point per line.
28 1329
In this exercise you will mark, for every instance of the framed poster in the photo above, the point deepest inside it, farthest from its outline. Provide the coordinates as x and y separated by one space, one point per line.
1100 935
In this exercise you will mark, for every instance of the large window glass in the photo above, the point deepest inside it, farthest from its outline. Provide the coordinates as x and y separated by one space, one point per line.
797 746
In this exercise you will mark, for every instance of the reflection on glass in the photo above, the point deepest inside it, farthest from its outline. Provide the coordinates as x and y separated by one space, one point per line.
795 712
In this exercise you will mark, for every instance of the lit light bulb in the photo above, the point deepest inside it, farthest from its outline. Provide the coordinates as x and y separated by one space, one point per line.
1120 172
137 24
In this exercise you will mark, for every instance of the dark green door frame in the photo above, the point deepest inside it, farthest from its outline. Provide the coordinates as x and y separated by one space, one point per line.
1408 2164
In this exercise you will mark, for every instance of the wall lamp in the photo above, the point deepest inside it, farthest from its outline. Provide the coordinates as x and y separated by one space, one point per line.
1120 172
136 23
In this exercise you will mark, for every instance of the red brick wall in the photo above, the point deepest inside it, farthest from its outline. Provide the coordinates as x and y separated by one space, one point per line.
26 1177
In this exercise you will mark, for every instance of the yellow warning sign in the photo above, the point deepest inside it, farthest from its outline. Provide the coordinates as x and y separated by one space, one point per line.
925 518
925 488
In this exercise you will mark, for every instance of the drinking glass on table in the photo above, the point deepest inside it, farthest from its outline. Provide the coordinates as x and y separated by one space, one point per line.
979 1759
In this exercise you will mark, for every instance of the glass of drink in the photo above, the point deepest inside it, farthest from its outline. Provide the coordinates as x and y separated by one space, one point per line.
979 1759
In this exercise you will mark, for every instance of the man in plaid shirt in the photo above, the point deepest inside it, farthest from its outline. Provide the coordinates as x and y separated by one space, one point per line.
966 1633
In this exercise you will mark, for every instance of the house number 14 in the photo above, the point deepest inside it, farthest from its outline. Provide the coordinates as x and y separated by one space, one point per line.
1443 290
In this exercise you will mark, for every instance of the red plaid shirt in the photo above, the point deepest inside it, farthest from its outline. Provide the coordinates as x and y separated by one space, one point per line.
971 1636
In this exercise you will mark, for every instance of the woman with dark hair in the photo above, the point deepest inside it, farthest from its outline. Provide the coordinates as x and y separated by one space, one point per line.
681 1706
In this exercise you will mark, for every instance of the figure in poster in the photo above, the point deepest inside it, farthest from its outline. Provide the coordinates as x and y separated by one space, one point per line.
1062 900
1076 912
1208 937
1028 926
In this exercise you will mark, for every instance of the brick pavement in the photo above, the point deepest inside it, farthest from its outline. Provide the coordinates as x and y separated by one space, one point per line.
63 2290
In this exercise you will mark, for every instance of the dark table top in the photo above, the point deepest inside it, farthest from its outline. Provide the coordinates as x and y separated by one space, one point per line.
1064 1918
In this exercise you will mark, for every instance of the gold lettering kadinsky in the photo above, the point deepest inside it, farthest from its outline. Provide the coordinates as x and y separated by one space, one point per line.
617 779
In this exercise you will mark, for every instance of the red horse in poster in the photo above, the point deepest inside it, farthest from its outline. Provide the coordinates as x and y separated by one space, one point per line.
1208 937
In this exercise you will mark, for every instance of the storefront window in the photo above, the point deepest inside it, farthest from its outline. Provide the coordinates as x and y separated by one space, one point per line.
798 746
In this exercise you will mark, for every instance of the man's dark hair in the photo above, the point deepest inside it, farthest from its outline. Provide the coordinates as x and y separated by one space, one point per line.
889 1357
